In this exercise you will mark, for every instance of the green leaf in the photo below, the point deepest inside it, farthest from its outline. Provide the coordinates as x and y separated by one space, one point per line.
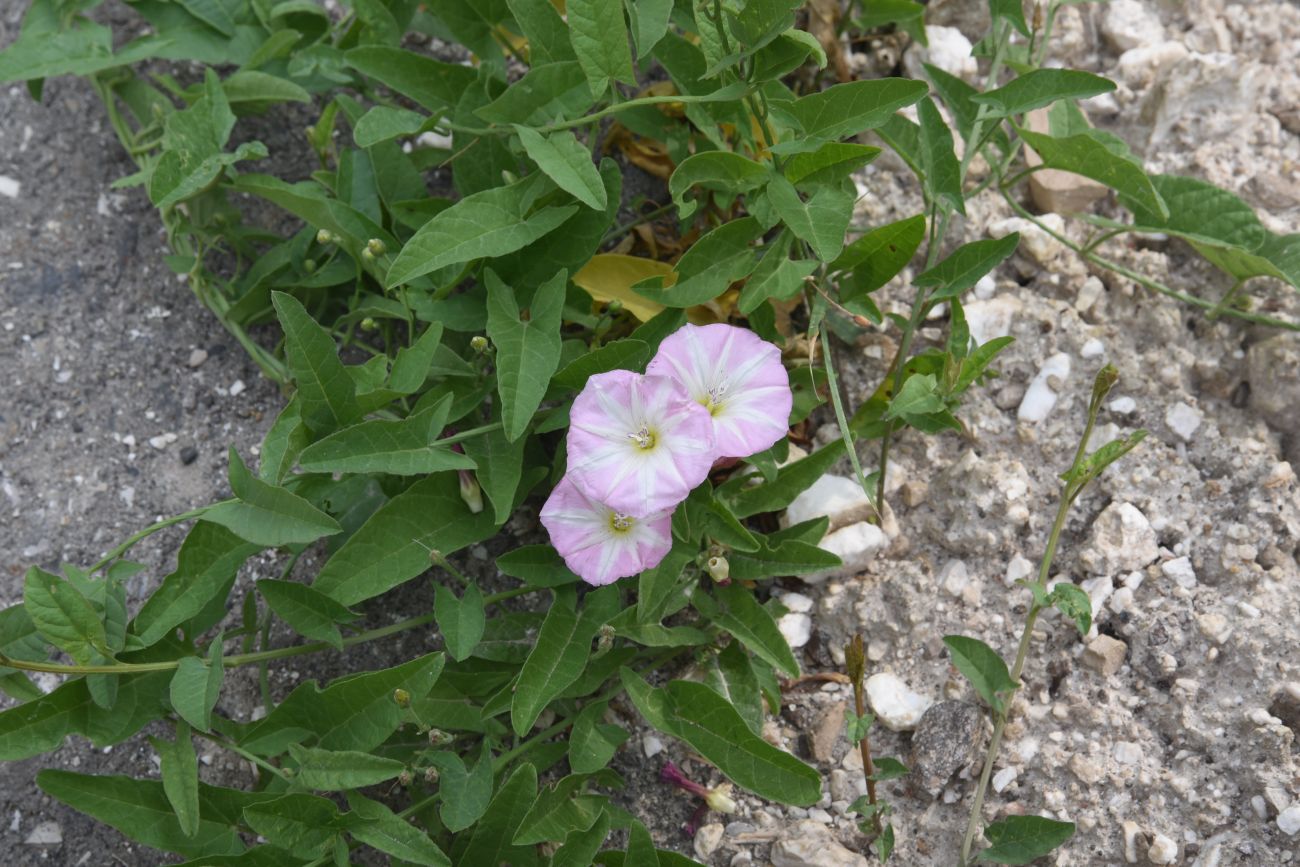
599 38
559 809
1092 465
268 515
63 616
938 159
918 396
982 666
1021 839
383 123
781 282
847 109
557 659
500 469
626 354
696 714
326 392
1088 155
335 770
889 769
528 352
491 841
411 367
537 565
354 713
41 725
831 163
212 13
542 26
249 85
180 777
372 823
566 161
978 361
466 791
712 264
141 811
51 45
461 620
788 557
878 256
543 94
195 687
1041 87
284 441
580 846
435 85
308 612
491 223
301 824
1012 12
966 265
640 848
724 171
593 742
821 221
404 448
732 676
649 20
393 545
1200 213
1071 601
751 623
790 482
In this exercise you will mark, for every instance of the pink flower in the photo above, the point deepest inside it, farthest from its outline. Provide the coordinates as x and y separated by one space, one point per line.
638 444
738 377
599 544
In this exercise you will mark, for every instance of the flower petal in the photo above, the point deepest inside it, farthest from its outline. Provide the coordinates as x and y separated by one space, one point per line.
582 531
739 376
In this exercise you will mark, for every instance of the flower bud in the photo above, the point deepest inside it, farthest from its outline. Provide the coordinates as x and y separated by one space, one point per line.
439 738
376 247
719 569
289 772
324 236
368 324
605 638
508 176
470 492
614 306
478 343
309 265
366 255
719 799
406 778
402 697
431 775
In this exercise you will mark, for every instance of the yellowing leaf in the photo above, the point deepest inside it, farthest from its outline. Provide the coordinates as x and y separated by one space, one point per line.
611 275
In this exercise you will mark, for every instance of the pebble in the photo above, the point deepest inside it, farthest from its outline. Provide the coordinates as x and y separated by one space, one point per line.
237 387
897 707
1127 752
1105 654
1132 831
189 454
1183 420
1123 405
1035 242
1274 371
1163 850
1214 626
1093 348
651 746
827 730
797 602
950 50
954 577
197 357
1289 820
796 627
836 497
991 318
1041 394
1122 540
1092 291
9 187
1130 24
946 739
856 545
1004 778
810 844
162 441
1086 769
708 839
45 834
985 287
1018 569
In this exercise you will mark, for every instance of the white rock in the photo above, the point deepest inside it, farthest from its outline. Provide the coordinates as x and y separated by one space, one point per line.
1163 850
1131 833
707 839
1040 396
1289 820
197 357
1093 348
1203 96
985 287
856 545
236 387
651 746
127 494
1018 569
796 627
1004 778
162 441
797 602
1092 291
1123 405
954 577
1183 419
1130 23
1040 246
991 318
897 707
1180 571
9 187
810 844
1099 589
1140 67
1127 753
45 834
1122 540
836 497
950 50
433 139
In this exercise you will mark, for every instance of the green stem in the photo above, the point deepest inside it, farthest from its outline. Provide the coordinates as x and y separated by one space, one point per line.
622 230
845 434
242 753
586 118
149 531
1226 300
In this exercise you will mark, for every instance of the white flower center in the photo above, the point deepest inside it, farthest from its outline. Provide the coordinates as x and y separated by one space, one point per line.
620 523
713 398
644 438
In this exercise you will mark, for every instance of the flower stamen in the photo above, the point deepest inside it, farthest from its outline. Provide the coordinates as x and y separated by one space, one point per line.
620 523
644 438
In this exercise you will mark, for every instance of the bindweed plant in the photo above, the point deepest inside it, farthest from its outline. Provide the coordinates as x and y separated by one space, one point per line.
532 332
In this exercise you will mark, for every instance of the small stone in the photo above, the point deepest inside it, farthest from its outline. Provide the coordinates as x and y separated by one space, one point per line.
1127 752
1183 420
985 287
162 441
1092 291
1085 769
1123 405
1053 190
1129 24
796 627
708 839
811 844
992 317
946 740
45 834
950 50
1004 778
1036 243
1122 540
237 387
1041 394
1018 569
1105 655
843 785
651 745
1093 348
796 602
836 497
1214 626
856 545
1289 820
954 577
827 731
914 493
189 454
1132 831
1163 850
1274 370
9 187
897 707
197 357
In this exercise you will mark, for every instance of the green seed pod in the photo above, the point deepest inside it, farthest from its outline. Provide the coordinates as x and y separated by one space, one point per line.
402 697
324 236
478 343
376 247
368 324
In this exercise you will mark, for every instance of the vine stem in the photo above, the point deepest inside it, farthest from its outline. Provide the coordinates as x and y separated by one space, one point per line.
586 119
149 531
239 659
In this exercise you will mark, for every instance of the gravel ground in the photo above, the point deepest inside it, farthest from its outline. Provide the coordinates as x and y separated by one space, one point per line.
1167 734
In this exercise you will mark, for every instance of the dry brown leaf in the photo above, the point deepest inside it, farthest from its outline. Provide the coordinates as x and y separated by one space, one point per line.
823 17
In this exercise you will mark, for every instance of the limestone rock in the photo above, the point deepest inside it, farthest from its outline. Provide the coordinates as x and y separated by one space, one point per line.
894 703
1274 369
946 740
1122 540
1129 24
836 497
1041 394
856 545
811 844
1105 655
1053 190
